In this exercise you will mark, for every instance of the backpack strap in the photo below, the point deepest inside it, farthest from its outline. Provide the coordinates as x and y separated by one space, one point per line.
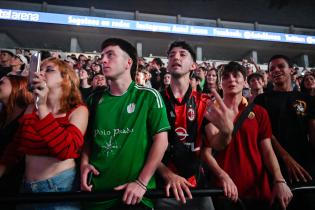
242 117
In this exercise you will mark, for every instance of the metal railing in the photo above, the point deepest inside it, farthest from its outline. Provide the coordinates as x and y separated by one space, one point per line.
52 197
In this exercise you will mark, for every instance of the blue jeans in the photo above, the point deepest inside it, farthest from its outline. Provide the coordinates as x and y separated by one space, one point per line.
63 182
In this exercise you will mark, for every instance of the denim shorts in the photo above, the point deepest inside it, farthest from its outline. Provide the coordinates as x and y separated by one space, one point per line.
65 181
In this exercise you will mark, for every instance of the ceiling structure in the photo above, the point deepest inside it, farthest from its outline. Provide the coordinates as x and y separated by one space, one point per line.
277 12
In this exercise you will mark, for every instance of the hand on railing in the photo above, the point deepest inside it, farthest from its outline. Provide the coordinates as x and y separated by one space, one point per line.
229 188
134 192
282 193
91 196
180 187
85 170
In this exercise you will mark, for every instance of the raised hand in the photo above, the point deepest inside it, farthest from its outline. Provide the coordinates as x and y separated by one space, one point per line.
219 114
40 89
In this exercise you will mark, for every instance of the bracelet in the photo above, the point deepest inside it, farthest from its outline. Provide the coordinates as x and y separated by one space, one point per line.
141 184
280 181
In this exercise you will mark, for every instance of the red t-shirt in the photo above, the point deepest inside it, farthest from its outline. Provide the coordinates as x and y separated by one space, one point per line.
242 158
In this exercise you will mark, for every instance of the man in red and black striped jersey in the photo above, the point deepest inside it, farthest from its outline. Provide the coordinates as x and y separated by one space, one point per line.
188 118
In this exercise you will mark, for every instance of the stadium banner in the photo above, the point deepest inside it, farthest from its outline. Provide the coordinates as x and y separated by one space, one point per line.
77 20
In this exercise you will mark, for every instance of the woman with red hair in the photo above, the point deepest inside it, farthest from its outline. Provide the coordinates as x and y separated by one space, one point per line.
50 135
14 98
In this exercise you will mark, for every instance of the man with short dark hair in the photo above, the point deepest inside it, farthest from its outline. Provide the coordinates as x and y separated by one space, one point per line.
98 81
127 134
241 167
256 85
157 63
292 116
186 111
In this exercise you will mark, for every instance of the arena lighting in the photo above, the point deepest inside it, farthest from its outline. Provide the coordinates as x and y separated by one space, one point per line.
43 17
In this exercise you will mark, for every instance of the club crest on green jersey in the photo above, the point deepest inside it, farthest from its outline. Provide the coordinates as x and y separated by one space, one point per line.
101 100
131 108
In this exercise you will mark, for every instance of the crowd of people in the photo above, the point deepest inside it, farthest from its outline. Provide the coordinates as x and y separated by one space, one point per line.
119 122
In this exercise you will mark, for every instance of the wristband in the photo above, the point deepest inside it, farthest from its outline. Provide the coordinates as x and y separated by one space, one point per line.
141 184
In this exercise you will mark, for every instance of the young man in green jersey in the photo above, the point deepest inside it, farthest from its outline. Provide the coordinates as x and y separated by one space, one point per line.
129 133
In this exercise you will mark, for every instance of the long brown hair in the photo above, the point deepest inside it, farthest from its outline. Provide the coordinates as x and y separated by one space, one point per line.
20 96
71 95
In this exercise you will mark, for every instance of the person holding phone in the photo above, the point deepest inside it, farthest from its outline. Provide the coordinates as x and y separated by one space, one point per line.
50 137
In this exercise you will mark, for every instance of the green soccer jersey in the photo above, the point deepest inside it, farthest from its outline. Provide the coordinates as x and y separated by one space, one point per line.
122 135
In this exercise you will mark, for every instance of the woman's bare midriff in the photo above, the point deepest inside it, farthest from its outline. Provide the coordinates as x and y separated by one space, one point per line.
44 167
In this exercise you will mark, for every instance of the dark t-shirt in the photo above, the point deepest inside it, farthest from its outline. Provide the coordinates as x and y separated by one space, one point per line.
85 92
4 71
11 181
289 114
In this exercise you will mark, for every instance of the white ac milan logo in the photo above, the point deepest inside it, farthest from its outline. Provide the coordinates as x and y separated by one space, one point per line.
191 114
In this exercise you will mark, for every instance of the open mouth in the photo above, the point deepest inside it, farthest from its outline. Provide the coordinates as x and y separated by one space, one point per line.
176 65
